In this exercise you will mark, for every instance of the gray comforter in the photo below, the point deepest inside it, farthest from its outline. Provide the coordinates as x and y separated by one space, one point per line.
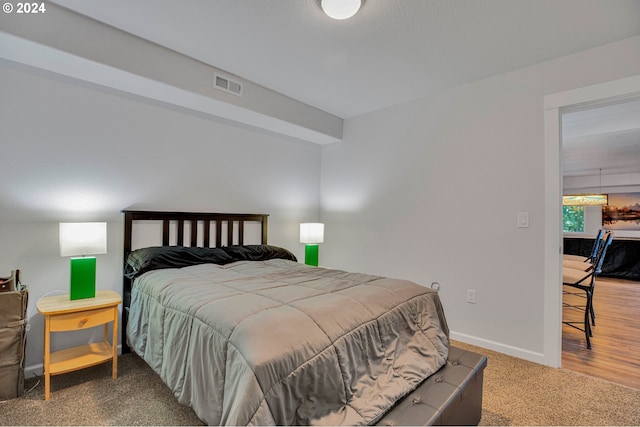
278 342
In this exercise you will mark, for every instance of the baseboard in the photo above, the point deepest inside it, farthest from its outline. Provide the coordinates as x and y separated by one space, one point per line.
509 350
34 371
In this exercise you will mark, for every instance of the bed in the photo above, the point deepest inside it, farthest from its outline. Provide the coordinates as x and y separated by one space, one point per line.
245 335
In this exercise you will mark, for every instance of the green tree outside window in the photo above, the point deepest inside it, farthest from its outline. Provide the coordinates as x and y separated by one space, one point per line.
573 219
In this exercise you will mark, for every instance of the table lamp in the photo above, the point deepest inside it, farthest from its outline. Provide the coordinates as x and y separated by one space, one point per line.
311 233
78 239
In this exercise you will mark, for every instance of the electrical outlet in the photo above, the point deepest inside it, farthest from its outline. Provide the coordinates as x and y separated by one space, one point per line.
471 296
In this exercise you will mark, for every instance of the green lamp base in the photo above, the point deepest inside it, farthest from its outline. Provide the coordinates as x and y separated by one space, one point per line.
311 254
83 277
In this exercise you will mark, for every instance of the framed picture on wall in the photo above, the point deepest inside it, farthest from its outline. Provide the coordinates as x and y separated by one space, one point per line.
622 212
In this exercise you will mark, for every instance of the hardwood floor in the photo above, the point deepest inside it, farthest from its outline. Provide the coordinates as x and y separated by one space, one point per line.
615 353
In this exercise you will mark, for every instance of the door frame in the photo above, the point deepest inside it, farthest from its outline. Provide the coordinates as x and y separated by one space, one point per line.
554 105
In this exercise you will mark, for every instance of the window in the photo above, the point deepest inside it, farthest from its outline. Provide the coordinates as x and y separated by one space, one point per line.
573 219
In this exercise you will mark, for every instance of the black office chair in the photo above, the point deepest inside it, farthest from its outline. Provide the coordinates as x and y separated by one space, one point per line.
586 282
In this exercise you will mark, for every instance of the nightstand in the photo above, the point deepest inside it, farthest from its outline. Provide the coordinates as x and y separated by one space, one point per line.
62 314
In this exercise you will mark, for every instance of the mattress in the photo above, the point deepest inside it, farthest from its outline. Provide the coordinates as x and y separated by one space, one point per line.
263 342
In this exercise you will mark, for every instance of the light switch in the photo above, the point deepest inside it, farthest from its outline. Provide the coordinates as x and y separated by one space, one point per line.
523 219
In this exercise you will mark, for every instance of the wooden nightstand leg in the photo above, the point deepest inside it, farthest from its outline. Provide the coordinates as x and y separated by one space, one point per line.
47 357
114 344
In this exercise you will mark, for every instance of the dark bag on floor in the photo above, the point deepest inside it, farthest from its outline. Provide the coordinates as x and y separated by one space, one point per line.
13 322
8 284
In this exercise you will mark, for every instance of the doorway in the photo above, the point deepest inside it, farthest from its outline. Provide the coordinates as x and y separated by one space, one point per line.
601 154
554 105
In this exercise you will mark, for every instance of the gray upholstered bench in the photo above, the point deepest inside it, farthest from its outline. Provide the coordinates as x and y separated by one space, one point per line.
451 396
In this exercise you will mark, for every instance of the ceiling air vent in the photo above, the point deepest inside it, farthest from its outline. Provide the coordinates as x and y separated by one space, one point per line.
226 84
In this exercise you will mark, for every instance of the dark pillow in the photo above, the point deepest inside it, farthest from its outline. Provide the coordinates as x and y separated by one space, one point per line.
257 253
154 258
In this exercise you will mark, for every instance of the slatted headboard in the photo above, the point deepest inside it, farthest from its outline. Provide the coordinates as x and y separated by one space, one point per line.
199 228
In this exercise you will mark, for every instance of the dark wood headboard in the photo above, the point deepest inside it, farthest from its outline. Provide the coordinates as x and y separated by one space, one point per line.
173 227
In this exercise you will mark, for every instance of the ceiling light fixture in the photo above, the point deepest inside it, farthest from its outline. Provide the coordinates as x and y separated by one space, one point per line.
340 9
587 199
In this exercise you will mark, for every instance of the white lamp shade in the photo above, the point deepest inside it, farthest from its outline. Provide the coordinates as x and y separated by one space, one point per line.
83 238
311 232
340 9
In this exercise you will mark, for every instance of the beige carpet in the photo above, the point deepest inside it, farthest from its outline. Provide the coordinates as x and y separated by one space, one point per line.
91 397
516 392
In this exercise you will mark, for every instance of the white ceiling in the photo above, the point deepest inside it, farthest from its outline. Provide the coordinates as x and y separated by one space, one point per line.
605 138
393 51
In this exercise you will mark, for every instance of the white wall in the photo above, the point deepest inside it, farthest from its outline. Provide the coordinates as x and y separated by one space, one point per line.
427 190
592 222
73 151
430 190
